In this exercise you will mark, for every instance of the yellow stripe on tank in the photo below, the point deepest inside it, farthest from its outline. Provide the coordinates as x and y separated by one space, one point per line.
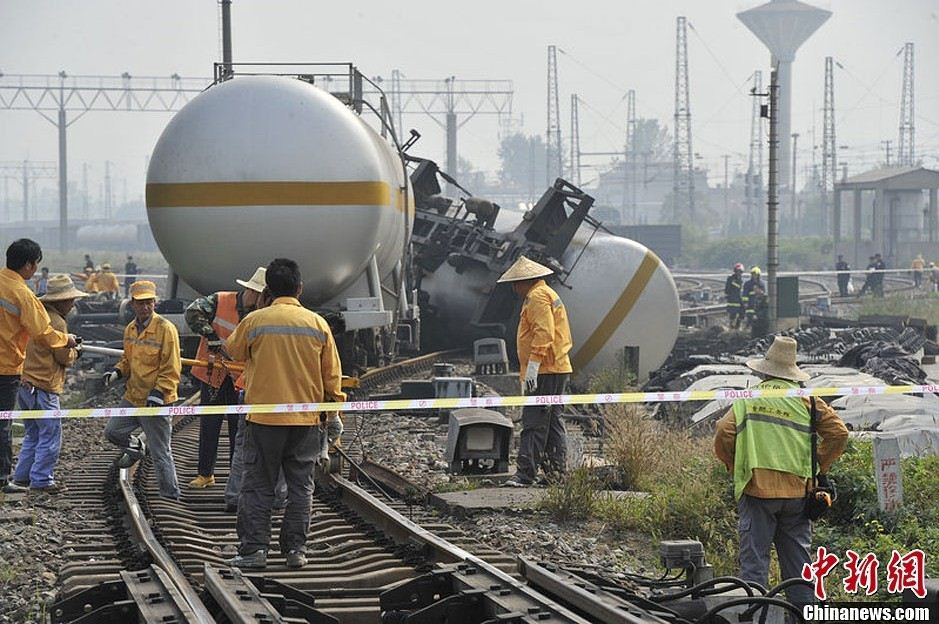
614 318
236 194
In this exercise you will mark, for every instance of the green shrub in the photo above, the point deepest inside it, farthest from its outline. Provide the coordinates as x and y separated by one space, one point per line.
573 497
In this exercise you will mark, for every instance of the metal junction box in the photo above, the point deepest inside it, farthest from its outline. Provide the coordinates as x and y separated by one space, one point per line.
478 441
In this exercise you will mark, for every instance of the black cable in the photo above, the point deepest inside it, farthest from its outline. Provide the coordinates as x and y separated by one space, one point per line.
759 600
747 586
776 589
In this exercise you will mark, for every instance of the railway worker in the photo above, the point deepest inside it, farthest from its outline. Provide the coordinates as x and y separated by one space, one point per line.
748 286
759 326
934 276
89 264
22 317
42 382
844 275
917 267
879 267
543 342
214 318
151 365
91 280
41 282
733 290
107 283
130 271
290 357
869 276
766 445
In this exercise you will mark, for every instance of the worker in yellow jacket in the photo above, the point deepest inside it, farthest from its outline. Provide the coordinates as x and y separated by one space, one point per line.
107 283
22 317
151 365
290 357
543 343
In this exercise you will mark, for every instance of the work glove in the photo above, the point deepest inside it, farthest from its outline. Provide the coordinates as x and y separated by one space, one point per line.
334 429
73 340
111 376
155 399
531 376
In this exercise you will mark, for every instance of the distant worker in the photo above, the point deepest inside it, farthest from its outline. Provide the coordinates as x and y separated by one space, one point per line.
748 286
22 317
214 318
844 275
766 444
151 366
759 304
917 266
42 383
130 272
107 282
91 282
869 277
543 342
934 276
733 291
290 357
88 263
879 273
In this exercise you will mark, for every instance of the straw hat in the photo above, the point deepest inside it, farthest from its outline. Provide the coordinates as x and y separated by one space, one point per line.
89 270
60 288
106 266
258 281
780 361
524 269
143 290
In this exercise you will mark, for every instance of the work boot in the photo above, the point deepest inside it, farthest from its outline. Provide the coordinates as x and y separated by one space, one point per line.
296 559
517 481
202 482
132 454
13 488
52 488
255 561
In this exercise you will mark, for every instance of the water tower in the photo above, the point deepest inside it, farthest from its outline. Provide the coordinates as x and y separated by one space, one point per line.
783 26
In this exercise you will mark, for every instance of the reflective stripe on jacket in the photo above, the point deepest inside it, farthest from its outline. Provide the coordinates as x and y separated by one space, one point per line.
290 357
151 361
22 316
223 324
543 331
772 434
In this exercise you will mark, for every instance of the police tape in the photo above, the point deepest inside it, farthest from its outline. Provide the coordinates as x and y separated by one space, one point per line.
409 405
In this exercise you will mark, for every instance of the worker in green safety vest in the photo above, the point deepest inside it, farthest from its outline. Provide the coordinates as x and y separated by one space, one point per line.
766 444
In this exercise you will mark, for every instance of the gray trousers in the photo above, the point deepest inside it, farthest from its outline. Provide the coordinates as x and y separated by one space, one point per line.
268 449
236 473
158 430
767 521
543 441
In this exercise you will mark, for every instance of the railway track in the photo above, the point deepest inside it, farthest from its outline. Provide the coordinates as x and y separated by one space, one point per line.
371 559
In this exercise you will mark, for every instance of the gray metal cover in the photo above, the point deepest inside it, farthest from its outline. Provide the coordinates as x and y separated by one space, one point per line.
472 416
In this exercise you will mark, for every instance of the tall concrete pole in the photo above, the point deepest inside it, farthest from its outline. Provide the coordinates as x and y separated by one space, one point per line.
792 190
772 203
25 191
63 184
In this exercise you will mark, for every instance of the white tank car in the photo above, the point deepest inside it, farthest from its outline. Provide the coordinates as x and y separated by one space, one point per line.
261 167
620 295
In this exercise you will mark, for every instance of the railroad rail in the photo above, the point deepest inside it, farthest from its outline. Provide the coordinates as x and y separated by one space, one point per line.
371 560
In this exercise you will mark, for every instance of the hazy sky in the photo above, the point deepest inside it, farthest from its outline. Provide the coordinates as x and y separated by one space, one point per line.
609 46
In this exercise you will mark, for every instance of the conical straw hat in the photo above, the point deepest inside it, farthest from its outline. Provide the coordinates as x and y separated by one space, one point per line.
524 269
780 361
60 287
257 282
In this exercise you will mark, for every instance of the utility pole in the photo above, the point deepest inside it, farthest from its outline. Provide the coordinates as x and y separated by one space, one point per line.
755 163
575 141
452 126
906 156
886 145
772 203
26 172
792 191
683 165
629 174
554 166
829 150
726 158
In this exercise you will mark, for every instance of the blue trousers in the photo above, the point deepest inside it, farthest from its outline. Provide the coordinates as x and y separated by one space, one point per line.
42 442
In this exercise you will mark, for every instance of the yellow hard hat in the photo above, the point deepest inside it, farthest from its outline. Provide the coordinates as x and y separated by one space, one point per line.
756 270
